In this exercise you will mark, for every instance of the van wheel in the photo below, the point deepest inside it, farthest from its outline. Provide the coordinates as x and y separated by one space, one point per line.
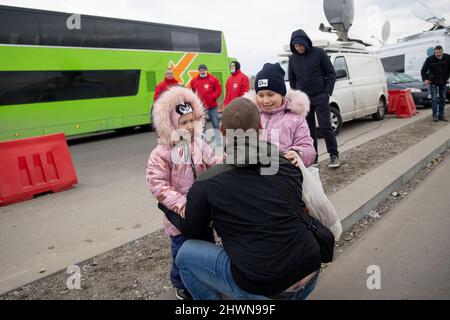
336 120
381 110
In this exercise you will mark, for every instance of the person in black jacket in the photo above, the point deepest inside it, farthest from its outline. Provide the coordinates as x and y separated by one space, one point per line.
268 252
435 73
311 71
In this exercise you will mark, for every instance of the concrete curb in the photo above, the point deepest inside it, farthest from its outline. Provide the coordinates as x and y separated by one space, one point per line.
363 195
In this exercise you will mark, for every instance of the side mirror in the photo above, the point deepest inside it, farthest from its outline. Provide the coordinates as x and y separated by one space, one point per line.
341 74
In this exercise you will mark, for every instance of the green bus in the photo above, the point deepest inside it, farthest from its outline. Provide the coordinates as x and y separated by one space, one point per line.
77 74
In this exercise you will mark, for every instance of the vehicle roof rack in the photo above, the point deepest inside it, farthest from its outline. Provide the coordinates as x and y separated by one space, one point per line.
334 47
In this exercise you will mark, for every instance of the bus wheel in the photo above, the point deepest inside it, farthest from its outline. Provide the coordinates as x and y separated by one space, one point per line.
147 127
127 130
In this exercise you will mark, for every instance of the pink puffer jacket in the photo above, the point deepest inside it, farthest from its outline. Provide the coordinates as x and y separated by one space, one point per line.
169 171
287 126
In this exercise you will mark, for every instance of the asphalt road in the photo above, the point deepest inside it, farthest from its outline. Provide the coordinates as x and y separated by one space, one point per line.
410 249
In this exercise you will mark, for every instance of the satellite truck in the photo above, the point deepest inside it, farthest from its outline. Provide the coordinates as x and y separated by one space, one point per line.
409 53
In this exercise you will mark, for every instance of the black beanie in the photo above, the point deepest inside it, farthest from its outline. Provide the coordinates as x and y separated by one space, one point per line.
271 77
237 65
202 66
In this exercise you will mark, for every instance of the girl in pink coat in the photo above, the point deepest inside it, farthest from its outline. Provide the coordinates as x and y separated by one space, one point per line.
179 157
283 114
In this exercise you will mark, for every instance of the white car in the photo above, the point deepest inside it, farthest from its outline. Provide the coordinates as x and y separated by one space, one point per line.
360 89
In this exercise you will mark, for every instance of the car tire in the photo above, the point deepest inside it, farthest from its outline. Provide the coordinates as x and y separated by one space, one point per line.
336 120
381 110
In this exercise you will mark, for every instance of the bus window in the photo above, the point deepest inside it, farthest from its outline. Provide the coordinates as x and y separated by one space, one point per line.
116 34
185 41
210 41
18 27
54 31
22 87
153 37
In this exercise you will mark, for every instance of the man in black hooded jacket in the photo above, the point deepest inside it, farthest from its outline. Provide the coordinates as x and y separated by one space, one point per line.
311 71
268 251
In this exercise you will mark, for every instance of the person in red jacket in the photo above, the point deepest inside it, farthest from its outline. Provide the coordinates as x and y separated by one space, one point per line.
209 90
165 84
237 84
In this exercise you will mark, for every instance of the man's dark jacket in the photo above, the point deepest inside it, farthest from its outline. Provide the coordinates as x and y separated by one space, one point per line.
269 246
436 70
312 71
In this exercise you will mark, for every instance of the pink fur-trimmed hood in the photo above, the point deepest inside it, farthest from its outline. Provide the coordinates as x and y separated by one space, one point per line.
298 101
165 106
288 130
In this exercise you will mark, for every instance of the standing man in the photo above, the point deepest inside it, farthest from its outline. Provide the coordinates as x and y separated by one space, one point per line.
237 84
209 90
165 84
311 71
435 73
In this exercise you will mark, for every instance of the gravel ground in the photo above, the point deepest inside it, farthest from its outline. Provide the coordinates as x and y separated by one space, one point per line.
140 269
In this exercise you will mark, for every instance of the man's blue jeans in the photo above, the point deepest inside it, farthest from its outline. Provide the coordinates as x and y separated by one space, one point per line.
442 96
214 117
205 271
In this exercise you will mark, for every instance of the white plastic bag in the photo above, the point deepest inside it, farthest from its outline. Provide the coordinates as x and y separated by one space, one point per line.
316 200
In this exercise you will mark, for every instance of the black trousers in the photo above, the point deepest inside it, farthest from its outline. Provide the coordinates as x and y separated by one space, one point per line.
321 107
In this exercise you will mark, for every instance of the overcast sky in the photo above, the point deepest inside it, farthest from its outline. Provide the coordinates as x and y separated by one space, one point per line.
255 30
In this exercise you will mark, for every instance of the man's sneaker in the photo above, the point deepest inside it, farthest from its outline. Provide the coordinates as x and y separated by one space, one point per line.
182 294
435 119
334 162
443 119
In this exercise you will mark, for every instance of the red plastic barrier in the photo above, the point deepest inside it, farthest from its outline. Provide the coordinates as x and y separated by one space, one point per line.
34 165
406 107
401 103
393 98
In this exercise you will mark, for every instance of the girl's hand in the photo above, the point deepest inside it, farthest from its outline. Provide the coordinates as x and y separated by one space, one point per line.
292 157
182 211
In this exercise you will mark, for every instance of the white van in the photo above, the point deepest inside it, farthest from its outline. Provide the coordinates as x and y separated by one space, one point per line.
360 89
409 53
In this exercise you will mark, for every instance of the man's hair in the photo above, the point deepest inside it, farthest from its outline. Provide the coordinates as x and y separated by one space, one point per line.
241 113
438 48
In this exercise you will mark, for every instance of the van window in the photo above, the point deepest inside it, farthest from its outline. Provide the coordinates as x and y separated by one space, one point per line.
341 64
394 63
285 65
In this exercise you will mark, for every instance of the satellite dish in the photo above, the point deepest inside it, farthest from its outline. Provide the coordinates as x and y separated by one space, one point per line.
340 14
424 12
385 31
